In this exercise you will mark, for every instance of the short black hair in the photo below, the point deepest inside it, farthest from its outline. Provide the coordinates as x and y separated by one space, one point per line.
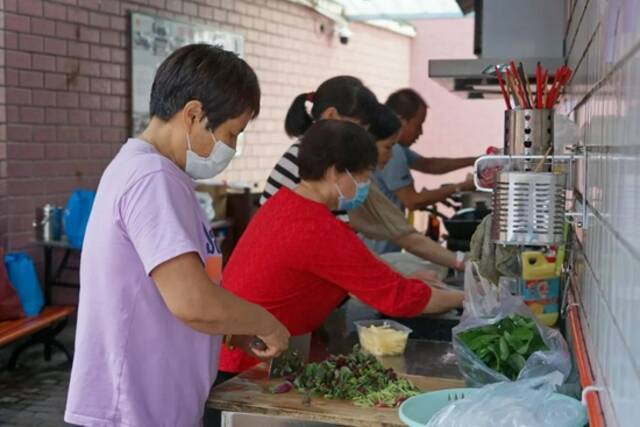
385 123
406 103
223 82
338 143
347 94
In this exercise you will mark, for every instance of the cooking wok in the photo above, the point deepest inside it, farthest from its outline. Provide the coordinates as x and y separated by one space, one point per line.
464 222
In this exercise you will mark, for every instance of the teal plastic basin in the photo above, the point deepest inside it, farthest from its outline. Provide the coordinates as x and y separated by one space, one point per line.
418 410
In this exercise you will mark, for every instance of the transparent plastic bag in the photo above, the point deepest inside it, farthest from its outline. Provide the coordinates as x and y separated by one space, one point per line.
526 403
488 174
486 304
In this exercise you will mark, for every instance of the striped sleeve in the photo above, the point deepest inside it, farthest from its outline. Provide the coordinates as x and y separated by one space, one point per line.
286 173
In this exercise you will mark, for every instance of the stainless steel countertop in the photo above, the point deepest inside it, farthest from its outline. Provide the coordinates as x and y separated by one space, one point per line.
422 357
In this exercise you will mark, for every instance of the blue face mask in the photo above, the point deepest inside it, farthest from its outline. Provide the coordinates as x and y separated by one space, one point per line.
362 191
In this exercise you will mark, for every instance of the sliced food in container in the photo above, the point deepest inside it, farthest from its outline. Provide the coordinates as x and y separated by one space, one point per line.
383 337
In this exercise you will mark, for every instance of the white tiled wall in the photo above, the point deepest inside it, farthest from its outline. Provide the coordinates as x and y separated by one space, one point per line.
603 47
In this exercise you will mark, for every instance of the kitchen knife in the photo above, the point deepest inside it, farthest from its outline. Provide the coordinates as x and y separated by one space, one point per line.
296 354
298 350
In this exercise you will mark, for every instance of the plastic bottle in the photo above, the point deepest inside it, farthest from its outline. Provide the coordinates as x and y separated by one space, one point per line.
536 265
433 227
541 285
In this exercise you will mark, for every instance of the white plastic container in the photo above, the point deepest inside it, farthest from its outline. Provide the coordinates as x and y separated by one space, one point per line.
383 337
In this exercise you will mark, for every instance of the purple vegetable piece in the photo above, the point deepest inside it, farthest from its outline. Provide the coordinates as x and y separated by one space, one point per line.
284 387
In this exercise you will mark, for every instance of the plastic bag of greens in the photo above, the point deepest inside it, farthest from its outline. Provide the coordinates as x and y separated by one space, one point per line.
499 338
526 403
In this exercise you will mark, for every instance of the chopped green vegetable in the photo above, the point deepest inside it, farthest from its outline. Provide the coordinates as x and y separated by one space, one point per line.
391 396
506 345
289 363
359 377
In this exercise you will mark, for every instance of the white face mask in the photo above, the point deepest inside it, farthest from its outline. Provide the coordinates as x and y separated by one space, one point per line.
198 167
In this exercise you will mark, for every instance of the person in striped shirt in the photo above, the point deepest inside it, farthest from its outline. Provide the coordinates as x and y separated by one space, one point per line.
339 98
347 98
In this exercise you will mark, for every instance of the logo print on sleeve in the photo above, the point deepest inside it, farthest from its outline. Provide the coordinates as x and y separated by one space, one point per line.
212 245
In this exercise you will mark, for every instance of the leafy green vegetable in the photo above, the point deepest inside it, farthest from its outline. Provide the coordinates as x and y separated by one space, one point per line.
290 363
506 345
359 377
390 396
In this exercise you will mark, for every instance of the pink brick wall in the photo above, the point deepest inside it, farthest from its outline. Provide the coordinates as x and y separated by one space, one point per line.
64 87
455 127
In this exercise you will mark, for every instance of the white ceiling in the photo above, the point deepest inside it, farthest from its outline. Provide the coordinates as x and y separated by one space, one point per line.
399 10
393 15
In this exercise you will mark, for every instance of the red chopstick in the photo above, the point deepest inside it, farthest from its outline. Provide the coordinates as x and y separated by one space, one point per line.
514 70
538 85
547 94
563 74
552 91
545 79
518 84
514 88
505 95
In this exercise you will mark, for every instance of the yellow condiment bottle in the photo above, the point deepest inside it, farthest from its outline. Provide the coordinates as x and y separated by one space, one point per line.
541 287
536 266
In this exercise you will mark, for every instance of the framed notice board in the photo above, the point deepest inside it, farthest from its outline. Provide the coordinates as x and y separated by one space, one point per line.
152 40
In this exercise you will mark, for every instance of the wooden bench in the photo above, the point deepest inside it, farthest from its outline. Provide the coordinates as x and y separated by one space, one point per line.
42 329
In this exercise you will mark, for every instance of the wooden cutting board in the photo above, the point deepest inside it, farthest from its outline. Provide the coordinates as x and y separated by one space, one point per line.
249 393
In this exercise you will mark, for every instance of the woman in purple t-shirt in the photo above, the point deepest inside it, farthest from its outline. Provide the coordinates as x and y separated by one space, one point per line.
150 319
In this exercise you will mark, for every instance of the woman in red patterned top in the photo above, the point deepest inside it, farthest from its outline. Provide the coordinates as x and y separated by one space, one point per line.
299 262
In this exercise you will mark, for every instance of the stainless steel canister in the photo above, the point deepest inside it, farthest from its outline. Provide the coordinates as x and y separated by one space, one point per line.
528 132
528 208
48 223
